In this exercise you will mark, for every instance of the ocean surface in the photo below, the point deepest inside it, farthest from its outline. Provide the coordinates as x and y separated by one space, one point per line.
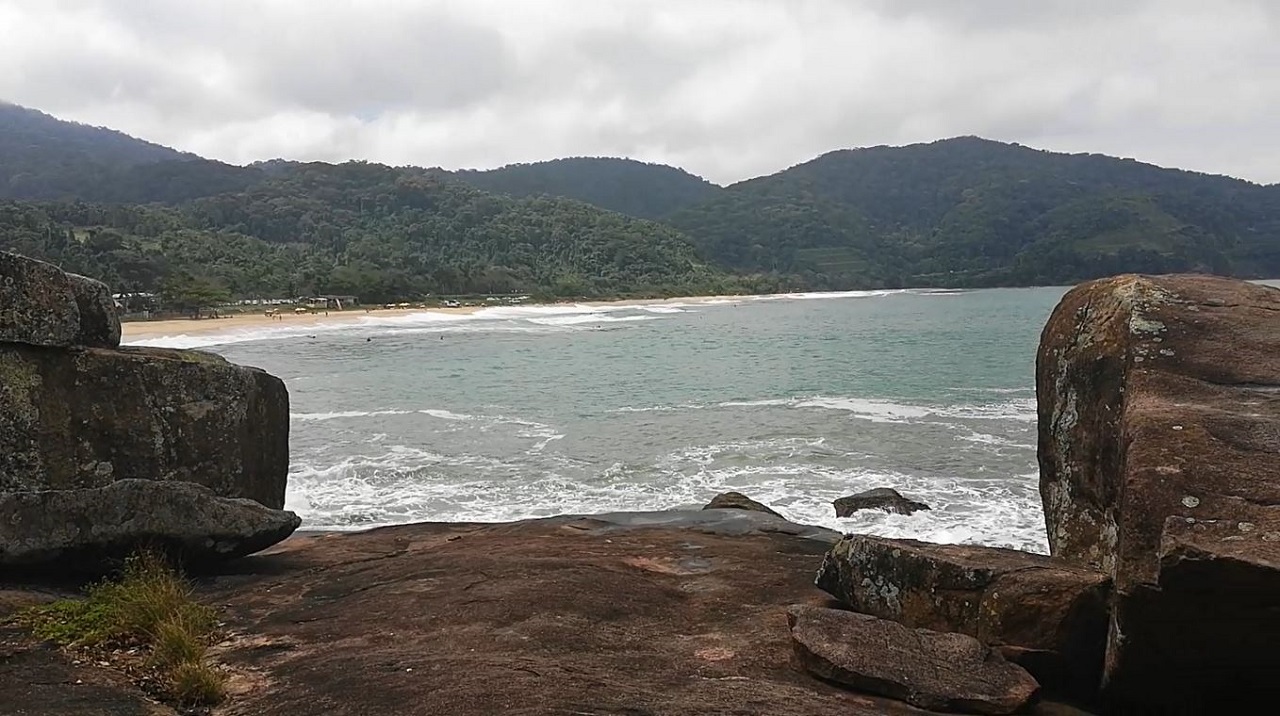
795 400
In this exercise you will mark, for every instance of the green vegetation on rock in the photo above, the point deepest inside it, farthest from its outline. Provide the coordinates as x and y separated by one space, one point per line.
149 606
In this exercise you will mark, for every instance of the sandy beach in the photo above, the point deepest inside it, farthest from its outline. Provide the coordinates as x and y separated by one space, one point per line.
140 330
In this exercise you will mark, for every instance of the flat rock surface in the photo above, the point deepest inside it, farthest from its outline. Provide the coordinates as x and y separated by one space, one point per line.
627 614
935 670
560 616
38 680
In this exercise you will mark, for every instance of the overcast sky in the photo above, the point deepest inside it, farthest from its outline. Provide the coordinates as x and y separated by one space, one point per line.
727 89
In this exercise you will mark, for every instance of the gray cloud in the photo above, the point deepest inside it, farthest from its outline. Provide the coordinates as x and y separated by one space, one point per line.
725 88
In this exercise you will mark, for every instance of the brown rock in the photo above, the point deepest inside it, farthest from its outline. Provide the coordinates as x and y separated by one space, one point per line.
84 418
738 501
1159 401
929 669
559 616
1047 616
43 680
84 530
606 614
881 498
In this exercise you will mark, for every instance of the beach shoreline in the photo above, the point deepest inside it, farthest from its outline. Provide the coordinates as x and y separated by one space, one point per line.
148 330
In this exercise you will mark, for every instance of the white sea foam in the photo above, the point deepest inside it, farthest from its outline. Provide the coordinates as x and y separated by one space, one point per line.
574 320
668 308
352 414
407 484
886 411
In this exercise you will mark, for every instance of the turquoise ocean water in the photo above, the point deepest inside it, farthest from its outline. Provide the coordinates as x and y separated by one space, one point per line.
794 400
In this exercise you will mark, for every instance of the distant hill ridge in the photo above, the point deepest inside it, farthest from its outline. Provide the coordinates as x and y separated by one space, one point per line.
964 211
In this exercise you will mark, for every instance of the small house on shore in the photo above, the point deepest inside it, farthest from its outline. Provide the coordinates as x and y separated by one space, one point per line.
332 302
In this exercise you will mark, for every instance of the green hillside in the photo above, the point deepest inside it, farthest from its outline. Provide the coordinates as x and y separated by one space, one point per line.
369 230
972 212
44 158
957 212
647 191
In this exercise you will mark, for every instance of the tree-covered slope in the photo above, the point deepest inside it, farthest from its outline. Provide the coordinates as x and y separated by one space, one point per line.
364 229
647 191
45 158
969 211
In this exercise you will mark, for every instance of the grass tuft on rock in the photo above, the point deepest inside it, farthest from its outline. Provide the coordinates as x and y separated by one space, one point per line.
149 606
197 684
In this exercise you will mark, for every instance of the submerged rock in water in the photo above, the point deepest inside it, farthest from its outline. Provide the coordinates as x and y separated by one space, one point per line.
1159 417
881 498
738 501
82 530
1044 614
932 670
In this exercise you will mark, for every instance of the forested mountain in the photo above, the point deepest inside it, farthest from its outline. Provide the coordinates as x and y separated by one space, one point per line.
957 212
647 191
968 211
373 231
44 158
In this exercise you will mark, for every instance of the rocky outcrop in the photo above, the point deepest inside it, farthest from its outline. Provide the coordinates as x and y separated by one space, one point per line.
1159 417
82 530
1045 615
99 322
881 498
933 670
629 614
83 420
738 501
37 304
86 417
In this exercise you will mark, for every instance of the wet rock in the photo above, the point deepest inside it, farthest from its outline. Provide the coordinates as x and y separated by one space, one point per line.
738 501
99 322
932 670
81 530
84 418
881 498
1159 411
1044 614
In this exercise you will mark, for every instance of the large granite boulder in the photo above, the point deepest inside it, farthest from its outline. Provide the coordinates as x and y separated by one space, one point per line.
932 670
1159 418
738 501
99 322
1043 614
41 305
885 499
86 417
73 530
